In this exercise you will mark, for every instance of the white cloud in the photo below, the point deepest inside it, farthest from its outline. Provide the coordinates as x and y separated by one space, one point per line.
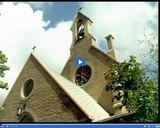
125 21
20 29
55 44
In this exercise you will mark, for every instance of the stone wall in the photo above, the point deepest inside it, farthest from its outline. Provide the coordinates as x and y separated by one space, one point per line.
47 102
99 63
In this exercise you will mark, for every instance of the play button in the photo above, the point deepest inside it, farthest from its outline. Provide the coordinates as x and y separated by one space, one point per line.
80 61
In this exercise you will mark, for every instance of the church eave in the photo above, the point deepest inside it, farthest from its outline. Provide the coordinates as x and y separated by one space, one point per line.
109 56
116 118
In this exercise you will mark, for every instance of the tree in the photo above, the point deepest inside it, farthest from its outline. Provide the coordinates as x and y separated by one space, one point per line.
149 56
3 68
140 93
139 81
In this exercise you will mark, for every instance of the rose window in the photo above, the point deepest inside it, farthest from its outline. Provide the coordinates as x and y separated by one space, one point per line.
83 75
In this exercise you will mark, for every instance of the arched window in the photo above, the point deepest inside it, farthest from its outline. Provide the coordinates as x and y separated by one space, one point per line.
80 29
26 118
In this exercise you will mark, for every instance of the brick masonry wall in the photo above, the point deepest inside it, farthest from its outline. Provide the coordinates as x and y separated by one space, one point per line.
47 101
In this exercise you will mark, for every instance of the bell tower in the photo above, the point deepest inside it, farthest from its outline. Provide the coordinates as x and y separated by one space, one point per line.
90 78
81 29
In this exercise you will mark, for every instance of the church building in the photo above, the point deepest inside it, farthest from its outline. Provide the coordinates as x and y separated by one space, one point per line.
78 94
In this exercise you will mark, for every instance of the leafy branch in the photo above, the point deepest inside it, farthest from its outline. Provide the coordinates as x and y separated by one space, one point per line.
140 94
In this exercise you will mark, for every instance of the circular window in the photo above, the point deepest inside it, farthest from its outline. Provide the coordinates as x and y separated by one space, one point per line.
28 87
83 74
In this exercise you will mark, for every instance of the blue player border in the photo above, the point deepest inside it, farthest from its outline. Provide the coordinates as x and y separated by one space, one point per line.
80 125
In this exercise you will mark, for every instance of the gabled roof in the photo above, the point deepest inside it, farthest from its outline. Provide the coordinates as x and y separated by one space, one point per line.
78 15
85 102
109 56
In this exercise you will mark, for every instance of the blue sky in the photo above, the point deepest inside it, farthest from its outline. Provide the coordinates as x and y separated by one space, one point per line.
47 25
61 11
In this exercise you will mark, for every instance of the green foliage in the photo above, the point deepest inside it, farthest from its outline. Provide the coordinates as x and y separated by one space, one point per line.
1 107
140 94
150 53
3 68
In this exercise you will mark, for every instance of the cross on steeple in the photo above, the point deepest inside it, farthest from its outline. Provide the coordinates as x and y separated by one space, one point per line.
80 9
34 48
